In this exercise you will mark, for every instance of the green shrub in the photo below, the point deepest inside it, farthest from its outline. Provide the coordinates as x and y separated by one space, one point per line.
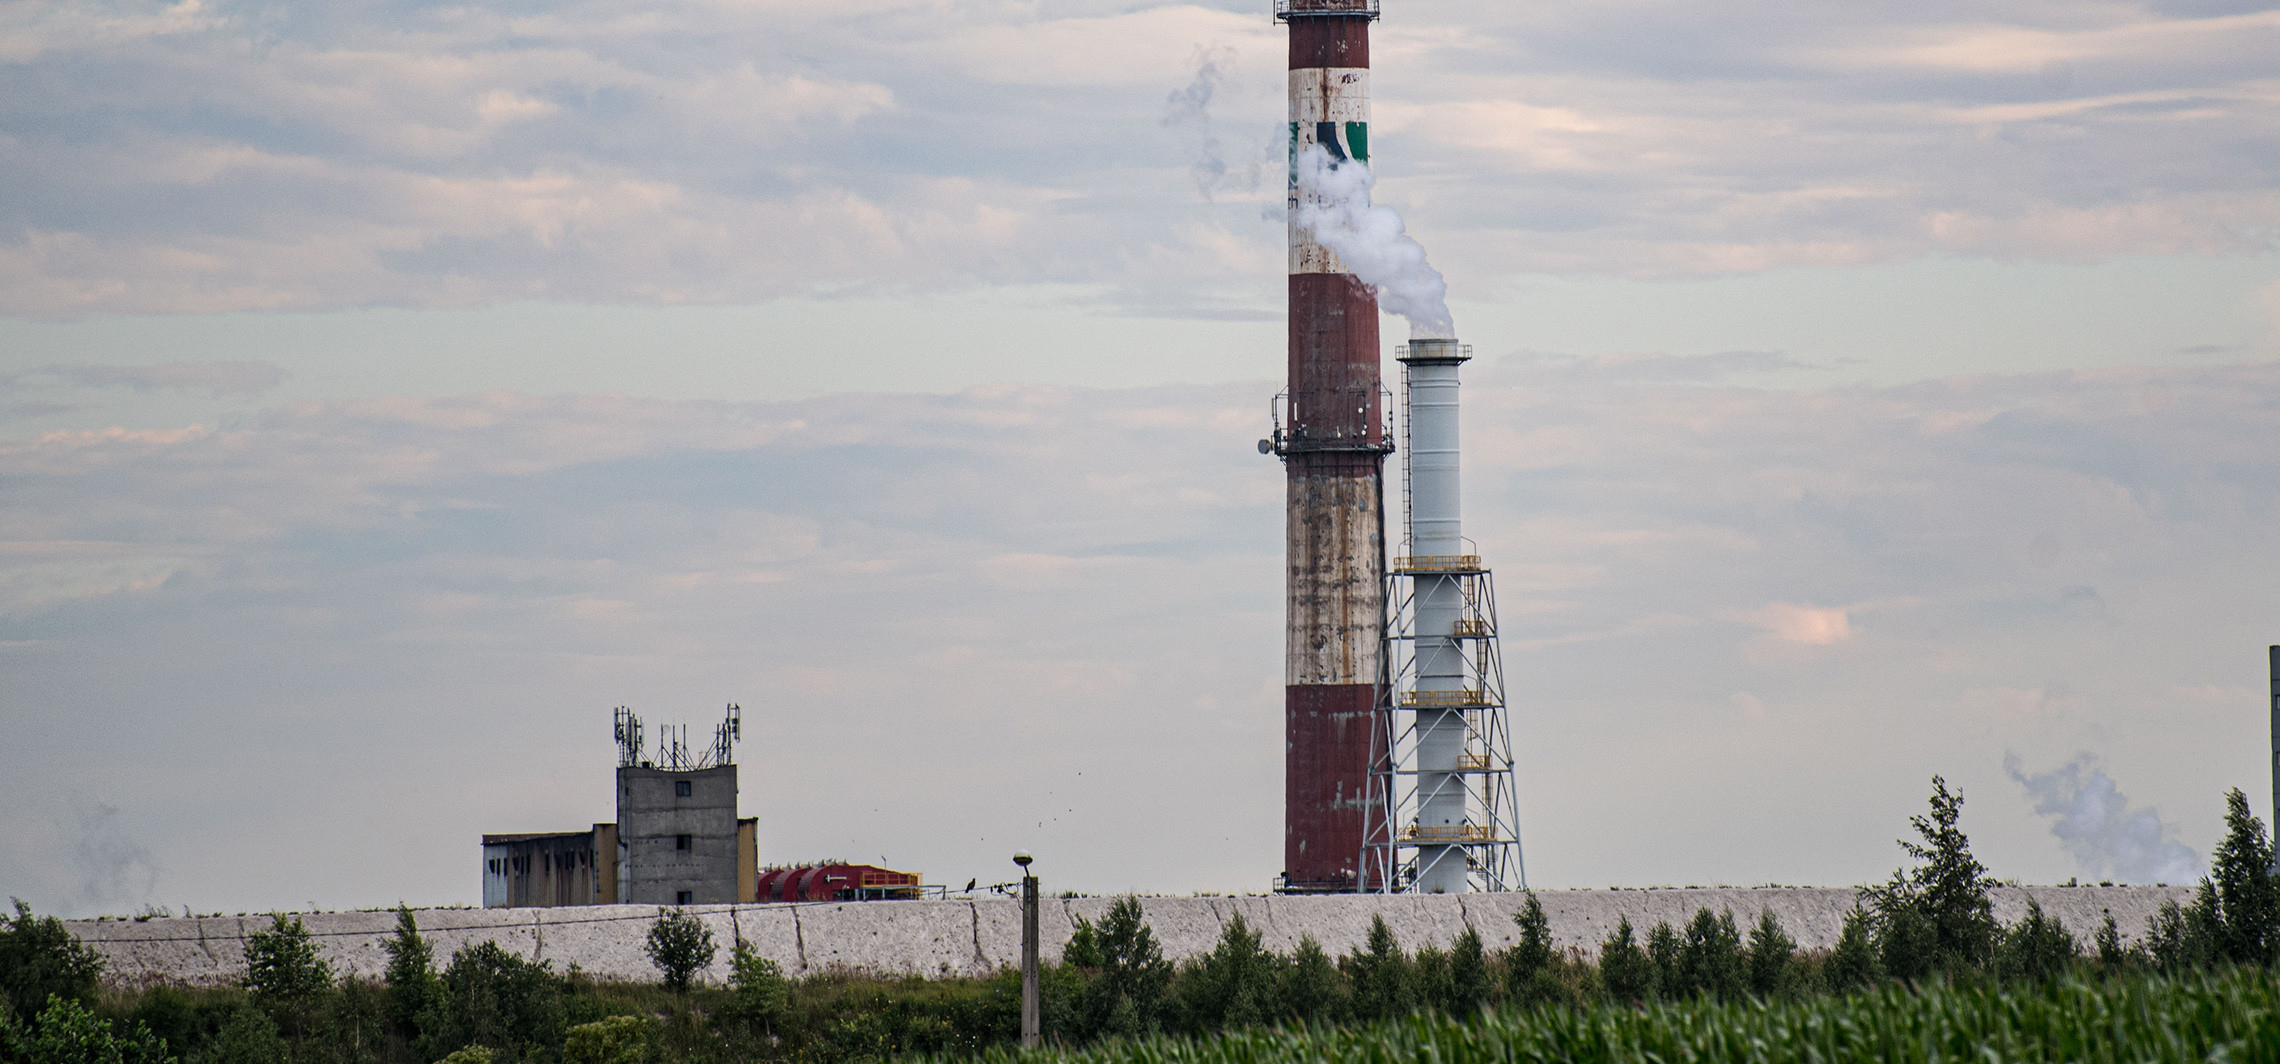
494 999
617 1040
2037 947
1854 963
1772 959
39 959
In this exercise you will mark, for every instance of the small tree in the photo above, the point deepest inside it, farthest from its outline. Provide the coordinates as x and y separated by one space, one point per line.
2113 956
1770 954
2247 896
1531 966
2182 938
680 946
2037 947
1380 975
285 975
496 999
1948 889
1853 964
758 994
1663 948
39 959
1711 961
1624 968
1234 984
412 983
1312 989
249 1036
1129 975
1469 984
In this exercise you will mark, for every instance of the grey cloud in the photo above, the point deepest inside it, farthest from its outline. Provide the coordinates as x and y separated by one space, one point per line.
250 158
214 378
403 620
2096 822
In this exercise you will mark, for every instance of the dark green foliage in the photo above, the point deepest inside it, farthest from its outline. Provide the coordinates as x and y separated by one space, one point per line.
2183 938
680 946
2247 897
1624 968
1313 990
1125 973
1663 947
413 987
2037 947
1380 976
2112 955
1947 889
1234 985
493 998
249 1036
1854 964
39 959
1772 956
1906 944
68 1032
1429 975
1710 961
1531 966
1469 984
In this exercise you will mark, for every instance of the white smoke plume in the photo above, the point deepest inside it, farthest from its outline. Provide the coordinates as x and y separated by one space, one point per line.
2108 838
1334 208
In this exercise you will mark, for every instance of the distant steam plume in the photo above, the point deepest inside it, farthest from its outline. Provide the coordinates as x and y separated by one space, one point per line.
1190 107
2108 839
1334 208
111 868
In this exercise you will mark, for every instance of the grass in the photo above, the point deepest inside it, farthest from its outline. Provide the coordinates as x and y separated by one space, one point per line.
2231 1017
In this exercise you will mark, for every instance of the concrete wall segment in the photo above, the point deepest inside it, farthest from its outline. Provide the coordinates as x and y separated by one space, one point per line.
975 937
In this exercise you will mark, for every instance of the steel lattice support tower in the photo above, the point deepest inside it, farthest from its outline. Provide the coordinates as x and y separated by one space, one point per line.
1331 435
1446 815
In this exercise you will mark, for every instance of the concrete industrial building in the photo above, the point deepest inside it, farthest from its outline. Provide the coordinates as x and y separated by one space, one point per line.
677 839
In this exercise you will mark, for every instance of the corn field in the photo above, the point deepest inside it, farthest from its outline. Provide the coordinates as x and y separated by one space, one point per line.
2230 1018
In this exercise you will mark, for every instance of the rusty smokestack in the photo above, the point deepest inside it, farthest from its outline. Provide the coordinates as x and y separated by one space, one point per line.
1332 441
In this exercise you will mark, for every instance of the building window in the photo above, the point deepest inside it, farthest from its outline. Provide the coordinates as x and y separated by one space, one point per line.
680 842
684 897
681 788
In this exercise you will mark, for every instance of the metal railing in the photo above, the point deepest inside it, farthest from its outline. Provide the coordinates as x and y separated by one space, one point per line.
1286 10
1436 563
1449 833
1445 699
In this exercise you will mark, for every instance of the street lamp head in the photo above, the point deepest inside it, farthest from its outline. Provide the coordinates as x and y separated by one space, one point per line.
1022 858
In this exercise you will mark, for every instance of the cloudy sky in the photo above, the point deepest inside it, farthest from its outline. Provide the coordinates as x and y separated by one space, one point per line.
388 390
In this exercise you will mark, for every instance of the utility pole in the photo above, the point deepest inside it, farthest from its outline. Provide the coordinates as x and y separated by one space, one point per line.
1030 1012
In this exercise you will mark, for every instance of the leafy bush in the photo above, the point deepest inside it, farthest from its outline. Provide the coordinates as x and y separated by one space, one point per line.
39 959
617 1040
67 1032
494 999
2037 947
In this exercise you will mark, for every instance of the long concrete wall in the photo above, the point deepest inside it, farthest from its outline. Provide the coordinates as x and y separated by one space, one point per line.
965 937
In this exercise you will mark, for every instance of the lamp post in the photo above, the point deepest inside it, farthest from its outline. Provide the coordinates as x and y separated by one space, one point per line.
1029 1003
